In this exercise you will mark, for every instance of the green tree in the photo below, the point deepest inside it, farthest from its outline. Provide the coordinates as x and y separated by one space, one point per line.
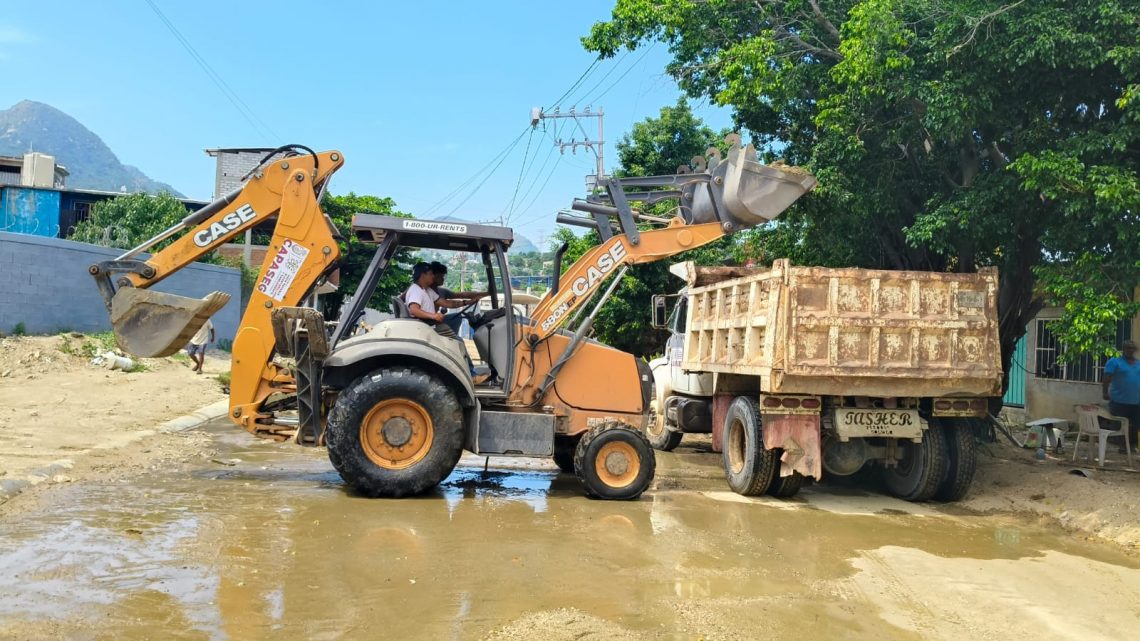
355 255
128 220
655 146
946 135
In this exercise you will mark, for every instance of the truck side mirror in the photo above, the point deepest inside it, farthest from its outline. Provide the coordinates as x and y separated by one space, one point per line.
660 315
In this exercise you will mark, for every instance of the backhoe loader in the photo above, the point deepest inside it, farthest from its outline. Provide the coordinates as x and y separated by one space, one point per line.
397 404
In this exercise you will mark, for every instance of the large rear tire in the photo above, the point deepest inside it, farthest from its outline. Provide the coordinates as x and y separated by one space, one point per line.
785 487
961 460
395 432
614 462
923 467
748 467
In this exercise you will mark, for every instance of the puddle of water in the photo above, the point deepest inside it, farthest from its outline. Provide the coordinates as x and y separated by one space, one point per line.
274 546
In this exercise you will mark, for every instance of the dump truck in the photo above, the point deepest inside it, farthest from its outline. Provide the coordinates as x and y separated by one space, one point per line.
800 372
398 403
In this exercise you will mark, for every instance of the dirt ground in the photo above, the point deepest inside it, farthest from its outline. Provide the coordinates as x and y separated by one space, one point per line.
1105 504
61 415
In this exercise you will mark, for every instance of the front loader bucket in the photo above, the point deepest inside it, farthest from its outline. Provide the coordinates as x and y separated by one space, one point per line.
152 324
752 193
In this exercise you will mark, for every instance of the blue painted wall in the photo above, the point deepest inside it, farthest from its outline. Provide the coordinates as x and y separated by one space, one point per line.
24 210
44 284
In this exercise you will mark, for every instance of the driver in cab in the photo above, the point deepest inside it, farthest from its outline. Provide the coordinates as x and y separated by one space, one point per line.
423 301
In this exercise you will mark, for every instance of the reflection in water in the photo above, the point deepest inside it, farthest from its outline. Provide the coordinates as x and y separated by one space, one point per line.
275 547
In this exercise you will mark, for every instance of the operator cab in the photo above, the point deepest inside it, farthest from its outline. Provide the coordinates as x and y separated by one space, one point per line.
492 318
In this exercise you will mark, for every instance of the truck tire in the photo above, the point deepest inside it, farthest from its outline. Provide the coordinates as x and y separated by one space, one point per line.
748 467
394 432
564 447
659 435
785 487
920 473
961 460
614 462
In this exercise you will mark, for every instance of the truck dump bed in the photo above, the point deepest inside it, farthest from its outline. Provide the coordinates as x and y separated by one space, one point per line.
849 332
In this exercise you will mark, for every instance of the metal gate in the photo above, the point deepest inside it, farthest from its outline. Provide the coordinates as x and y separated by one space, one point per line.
1015 394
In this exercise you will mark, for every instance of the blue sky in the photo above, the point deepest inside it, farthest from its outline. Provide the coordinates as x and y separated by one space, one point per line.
419 97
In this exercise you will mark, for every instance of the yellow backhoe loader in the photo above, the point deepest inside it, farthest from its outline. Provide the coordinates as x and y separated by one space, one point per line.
398 403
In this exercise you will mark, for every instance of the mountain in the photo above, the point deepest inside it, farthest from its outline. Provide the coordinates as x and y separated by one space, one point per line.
34 126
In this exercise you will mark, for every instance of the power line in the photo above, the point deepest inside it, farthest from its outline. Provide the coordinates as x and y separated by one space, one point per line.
540 190
549 153
631 68
455 192
239 104
522 170
485 179
577 82
607 75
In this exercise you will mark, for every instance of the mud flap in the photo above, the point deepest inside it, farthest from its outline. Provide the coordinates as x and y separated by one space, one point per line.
798 436
152 324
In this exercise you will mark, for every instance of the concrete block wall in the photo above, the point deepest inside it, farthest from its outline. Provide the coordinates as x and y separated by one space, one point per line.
44 284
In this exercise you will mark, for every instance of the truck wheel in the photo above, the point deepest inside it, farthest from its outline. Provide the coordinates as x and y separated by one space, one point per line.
659 435
961 460
614 462
395 432
784 487
748 467
919 474
564 447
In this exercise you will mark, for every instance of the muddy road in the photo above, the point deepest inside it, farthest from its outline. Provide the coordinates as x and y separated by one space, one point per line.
264 542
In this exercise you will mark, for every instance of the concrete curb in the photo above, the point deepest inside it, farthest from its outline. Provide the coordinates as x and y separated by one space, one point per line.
197 418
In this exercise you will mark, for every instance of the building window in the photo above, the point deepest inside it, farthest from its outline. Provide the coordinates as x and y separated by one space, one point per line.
1085 368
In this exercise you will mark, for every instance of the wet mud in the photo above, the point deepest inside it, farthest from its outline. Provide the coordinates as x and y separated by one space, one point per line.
269 544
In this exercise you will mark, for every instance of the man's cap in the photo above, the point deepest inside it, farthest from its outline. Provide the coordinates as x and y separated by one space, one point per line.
1129 344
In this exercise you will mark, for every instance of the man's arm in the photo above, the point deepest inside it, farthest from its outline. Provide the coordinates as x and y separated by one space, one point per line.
469 296
1105 381
418 312
211 334
451 303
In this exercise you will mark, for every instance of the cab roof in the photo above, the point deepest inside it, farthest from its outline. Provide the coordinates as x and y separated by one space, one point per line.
452 235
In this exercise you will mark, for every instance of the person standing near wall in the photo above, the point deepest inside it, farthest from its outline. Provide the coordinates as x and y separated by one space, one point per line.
197 347
1120 385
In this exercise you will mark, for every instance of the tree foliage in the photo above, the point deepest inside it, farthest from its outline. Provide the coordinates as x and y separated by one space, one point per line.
356 256
946 135
128 220
655 146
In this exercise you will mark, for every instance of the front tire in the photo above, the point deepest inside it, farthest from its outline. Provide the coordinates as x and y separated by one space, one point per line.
614 462
659 435
748 467
395 432
919 474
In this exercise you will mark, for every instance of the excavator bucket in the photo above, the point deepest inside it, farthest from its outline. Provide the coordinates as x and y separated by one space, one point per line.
152 324
752 193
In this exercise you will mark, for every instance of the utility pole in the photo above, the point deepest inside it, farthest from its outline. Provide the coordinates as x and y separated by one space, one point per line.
537 115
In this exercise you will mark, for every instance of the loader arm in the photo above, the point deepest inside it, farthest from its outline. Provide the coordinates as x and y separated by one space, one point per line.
302 250
585 277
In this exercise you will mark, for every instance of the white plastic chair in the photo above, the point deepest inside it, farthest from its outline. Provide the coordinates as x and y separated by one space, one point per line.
1088 425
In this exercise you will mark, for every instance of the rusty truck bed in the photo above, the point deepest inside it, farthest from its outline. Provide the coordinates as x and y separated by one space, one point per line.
852 332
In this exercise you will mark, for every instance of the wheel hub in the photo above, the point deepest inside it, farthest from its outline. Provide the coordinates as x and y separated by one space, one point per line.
396 433
617 464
